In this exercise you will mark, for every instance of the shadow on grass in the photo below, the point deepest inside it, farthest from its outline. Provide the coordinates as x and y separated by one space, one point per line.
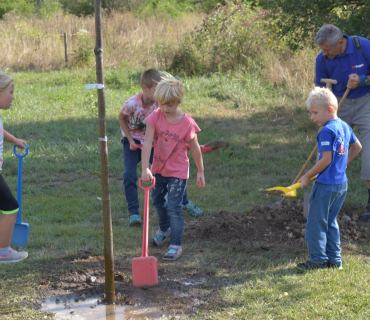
61 189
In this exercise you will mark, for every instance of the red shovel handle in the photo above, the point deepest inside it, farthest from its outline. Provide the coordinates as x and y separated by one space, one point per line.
146 217
146 188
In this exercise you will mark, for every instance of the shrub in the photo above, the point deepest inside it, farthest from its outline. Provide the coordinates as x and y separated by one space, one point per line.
78 7
48 8
16 6
83 55
231 37
188 59
172 8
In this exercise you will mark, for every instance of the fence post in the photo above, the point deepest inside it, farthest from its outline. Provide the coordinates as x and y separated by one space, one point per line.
65 49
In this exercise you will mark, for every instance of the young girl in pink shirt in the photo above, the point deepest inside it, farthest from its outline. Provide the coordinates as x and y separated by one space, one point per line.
170 129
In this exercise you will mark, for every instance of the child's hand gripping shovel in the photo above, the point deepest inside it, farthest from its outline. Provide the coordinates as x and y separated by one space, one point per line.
285 192
21 229
144 268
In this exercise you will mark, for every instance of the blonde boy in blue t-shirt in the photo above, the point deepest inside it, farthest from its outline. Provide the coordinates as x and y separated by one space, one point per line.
337 146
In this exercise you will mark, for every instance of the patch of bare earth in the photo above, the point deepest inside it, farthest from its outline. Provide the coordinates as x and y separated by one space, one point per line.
182 291
174 296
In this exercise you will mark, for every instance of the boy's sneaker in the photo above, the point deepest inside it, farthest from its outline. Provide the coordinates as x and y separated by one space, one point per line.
135 220
160 237
193 210
308 265
366 215
334 266
14 256
173 253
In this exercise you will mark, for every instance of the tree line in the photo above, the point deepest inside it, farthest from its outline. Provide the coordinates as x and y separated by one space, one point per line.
298 20
86 7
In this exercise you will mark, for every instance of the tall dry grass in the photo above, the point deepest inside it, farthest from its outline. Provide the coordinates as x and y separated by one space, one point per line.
296 71
38 44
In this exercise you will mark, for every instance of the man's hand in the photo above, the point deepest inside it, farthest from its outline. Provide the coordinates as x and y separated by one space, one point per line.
353 81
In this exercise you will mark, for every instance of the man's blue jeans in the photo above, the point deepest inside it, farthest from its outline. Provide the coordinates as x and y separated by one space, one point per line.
170 213
131 158
322 230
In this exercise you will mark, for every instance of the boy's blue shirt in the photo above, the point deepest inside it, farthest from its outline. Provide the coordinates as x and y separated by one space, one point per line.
336 136
340 67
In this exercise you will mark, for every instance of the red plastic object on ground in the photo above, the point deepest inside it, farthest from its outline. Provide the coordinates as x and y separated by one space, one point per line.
204 147
144 268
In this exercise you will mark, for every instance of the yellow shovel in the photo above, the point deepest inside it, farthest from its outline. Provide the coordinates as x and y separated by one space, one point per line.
285 192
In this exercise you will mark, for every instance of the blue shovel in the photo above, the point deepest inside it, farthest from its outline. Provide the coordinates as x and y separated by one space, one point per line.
21 229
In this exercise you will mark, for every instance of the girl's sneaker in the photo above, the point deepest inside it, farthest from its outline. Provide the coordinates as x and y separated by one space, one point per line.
14 256
160 237
173 253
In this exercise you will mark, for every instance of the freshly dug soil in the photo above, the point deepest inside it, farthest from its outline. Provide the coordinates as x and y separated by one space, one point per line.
279 224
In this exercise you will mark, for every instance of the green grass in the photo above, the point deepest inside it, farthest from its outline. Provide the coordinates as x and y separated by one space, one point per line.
270 138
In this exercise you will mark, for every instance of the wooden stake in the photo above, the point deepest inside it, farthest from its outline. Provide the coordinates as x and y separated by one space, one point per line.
107 216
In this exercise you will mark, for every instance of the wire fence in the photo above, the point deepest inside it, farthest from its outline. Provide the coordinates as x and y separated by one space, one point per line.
73 44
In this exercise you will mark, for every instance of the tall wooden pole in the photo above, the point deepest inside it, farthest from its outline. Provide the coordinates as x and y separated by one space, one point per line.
107 216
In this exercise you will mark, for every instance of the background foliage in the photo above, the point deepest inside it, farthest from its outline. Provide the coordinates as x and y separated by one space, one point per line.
19 6
298 20
231 37
86 7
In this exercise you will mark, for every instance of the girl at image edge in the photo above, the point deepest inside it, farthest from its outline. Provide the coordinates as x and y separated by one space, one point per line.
8 204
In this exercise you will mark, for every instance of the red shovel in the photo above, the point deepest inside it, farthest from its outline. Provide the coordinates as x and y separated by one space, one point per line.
144 268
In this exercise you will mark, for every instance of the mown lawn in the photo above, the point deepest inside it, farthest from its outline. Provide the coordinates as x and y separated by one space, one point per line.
270 138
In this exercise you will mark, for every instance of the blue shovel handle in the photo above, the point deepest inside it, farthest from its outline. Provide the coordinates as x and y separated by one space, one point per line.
19 184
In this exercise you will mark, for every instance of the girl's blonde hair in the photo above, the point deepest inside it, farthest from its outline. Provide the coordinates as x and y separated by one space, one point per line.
322 98
169 90
5 81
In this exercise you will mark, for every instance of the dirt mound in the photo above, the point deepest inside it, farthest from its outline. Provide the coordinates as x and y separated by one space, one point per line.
284 222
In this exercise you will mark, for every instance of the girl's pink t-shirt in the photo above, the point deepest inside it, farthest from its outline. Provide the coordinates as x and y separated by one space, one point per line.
170 157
